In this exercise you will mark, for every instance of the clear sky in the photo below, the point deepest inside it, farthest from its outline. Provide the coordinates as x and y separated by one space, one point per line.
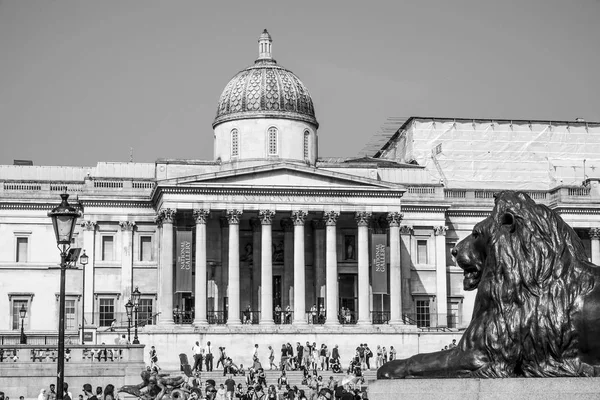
83 81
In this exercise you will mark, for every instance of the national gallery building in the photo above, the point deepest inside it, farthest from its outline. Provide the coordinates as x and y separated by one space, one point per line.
268 238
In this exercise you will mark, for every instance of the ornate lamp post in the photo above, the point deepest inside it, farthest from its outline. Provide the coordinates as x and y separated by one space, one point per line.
129 309
22 314
136 303
83 260
63 220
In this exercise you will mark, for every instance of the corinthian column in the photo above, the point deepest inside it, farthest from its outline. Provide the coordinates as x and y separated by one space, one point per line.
200 216
233 316
441 292
89 231
298 217
266 268
394 219
364 312
331 273
595 241
126 257
165 272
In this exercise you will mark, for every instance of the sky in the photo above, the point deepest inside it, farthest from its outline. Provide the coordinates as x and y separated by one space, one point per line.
83 82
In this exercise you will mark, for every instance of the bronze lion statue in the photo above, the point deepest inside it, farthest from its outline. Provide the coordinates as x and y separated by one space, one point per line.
537 308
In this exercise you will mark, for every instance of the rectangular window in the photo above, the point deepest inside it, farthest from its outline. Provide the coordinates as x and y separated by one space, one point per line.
423 315
453 314
16 315
421 251
306 138
107 248
70 315
272 141
22 249
449 258
106 311
235 143
145 312
145 248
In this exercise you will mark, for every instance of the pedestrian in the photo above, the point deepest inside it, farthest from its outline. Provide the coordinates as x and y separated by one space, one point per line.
51 394
99 392
299 354
197 352
153 358
109 392
385 355
66 394
288 314
230 387
379 357
368 355
87 392
255 353
222 357
123 340
271 358
41 396
208 357
284 356
392 353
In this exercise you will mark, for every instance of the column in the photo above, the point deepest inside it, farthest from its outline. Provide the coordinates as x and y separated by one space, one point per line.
441 293
126 258
393 219
224 273
165 270
595 242
331 273
200 216
89 231
266 267
233 291
298 217
288 262
406 232
364 311
255 263
319 258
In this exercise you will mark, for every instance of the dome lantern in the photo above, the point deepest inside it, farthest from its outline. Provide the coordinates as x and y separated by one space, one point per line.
264 46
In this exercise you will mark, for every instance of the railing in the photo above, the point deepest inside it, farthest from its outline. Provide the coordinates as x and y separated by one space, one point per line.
455 194
348 317
250 317
283 317
73 353
36 339
316 317
216 317
408 320
22 186
183 317
380 317
579 191
432 321
108 184
421 189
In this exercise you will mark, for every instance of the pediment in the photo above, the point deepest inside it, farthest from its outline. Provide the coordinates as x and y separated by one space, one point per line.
280 175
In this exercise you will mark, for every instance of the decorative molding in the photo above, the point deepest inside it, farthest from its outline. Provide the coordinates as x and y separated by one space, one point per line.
165 216
299 217
57 295
287 225
97 294
440 230
200 215
20 294
330 217
88 225
233 216
282 195
595 233
255 224
127 225
363 218
266 216
406 230
318 224
394 218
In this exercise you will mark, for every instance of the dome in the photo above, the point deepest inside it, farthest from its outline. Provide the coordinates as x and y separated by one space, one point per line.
265 90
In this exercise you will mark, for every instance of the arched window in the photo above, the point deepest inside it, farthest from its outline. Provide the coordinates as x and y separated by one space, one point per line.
235 143
306 144
272 141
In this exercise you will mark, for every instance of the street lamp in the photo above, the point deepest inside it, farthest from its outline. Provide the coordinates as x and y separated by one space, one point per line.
23 313
63 218
129 309
83 260
136 303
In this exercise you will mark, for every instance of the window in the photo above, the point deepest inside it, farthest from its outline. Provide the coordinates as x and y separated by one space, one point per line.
454 313
306 144
107 248
145 248
235 143
106 311
423 316
449 258
421 251
70 315
145 312
272 141
22 249
16 316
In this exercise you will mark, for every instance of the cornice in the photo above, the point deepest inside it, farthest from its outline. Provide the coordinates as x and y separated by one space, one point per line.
349 192
437 208
117 203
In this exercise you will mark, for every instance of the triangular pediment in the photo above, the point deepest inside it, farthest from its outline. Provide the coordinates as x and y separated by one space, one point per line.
281 175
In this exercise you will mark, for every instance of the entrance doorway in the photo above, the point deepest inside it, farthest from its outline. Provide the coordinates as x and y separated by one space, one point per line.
348 291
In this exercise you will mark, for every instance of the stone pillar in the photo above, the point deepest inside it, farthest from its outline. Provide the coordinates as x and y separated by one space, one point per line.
393 219
406 233
126 258
255 264
233 291
165 270
224 275
298 217
364 311
89 231
441 292
319 258
595 242
266 267
331 279
200 216
288 262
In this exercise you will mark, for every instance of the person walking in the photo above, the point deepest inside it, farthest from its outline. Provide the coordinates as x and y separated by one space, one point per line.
392 353
153 359
197 352
379 357
385 355
208 357
272 358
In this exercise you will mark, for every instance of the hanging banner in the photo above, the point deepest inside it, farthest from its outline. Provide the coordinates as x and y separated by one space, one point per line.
183 272
379 268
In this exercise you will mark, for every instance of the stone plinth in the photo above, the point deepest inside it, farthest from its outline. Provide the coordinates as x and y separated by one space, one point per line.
486 389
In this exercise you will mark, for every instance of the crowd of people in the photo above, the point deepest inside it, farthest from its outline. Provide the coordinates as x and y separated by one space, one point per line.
450 346
86 393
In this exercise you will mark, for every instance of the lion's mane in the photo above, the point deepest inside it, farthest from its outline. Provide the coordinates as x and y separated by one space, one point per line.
532 284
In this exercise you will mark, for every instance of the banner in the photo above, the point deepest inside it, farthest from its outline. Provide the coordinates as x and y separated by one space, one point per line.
379 267
183 272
